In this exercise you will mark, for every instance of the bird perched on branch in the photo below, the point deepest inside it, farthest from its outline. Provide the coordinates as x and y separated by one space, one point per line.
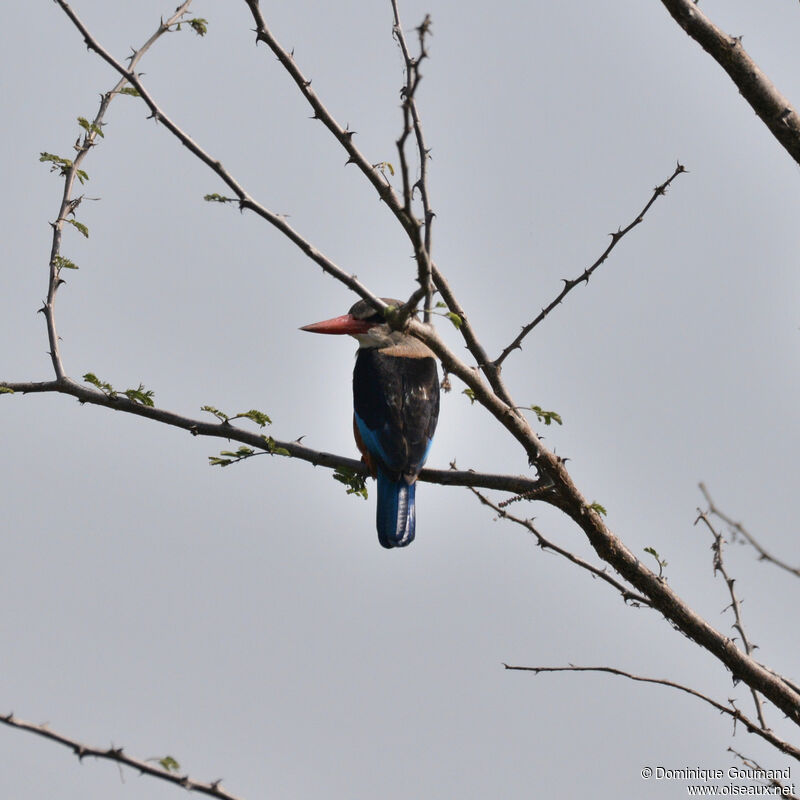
396 406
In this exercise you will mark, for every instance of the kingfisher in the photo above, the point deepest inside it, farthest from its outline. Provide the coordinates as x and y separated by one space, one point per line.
395 409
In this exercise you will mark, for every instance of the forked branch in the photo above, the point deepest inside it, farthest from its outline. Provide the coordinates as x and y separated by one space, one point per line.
739 530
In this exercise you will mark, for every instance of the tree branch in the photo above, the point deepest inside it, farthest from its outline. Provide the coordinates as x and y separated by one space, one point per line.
739 529
628 595
751 764
731 711
117 755
411 121
245 201
224 430
71 169
735 605
569 285
566 495
770 105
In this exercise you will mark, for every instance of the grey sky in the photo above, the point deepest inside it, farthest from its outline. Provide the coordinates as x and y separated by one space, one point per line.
245 621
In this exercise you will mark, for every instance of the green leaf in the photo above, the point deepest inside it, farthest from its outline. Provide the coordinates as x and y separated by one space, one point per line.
140 395
454 318
6 390
199 25
220 415
228 457
471 394
90 127
59 262
103 386
355 482
259 417
660 561
272 447
82 176
63 165
218 198
597 508
130 91
547 417
440 304
169 764
80 226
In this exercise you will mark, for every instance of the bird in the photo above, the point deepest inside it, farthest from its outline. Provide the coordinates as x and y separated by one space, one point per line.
395 411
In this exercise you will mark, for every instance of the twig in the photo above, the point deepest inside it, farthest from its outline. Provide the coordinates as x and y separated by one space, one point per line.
569 285
628 595
735 605
385 192
411 121
738 528
775 111
566 495
754 765
224 430
245 201
68 204
117 755
732 711
343 135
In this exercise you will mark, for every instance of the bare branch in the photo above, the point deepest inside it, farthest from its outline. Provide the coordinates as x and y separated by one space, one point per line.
117 755
763 96
735 605
738 528
730 710
569 285
411 121
628 595
342 135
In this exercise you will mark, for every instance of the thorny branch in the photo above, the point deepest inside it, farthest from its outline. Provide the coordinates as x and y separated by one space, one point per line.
406 219
244 199
774 110
628 595
411 120
497 401
738 529
224 430
570 284
117 755
735 605
730 710
70 204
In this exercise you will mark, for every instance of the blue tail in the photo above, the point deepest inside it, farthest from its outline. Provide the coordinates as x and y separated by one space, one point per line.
396 515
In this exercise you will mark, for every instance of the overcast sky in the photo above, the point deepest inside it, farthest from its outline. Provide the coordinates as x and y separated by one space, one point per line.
245 621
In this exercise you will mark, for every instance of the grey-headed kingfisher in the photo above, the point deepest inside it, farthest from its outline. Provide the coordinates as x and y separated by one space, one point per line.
396 406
